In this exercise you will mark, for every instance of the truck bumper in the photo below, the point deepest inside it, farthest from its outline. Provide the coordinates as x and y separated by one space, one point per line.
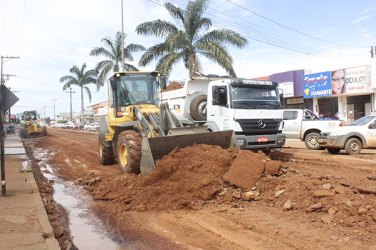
331 141
255 142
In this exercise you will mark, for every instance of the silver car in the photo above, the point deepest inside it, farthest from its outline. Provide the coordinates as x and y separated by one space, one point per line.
352 138
92 126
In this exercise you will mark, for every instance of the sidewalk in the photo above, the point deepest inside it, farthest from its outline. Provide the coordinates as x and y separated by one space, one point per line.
23 219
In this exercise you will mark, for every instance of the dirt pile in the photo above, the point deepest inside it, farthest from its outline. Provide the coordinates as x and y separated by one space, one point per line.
186 178
328 200
173 86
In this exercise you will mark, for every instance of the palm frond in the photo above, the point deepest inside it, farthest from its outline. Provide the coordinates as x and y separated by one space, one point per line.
153 53
158 28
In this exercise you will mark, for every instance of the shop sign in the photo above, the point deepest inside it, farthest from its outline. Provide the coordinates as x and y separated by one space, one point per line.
317 85
287 88
357 80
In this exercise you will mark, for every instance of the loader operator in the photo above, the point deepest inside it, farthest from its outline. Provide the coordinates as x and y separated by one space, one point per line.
138 95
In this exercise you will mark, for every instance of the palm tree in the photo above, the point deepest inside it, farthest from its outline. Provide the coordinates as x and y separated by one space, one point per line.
112 50
81 78
190 39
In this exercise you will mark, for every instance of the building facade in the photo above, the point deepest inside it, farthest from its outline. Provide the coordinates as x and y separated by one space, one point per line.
345 94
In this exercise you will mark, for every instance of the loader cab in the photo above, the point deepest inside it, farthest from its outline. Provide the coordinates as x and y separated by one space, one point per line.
134 88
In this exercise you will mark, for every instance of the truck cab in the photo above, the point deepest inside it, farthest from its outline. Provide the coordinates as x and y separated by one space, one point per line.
253 109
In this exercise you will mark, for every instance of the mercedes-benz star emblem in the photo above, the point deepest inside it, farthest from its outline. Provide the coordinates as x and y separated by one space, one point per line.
261 123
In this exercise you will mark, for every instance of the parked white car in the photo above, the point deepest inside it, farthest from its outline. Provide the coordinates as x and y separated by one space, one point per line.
69 125
92 126
352 138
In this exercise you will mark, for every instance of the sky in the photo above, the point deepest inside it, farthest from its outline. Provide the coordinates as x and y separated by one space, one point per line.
48 37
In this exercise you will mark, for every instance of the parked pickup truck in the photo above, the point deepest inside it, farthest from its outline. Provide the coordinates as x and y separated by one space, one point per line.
303 124
352 138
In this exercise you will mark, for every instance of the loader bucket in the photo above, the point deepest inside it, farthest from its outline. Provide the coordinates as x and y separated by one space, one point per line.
155 148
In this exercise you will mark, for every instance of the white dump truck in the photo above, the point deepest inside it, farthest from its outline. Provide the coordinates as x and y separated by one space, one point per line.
251 108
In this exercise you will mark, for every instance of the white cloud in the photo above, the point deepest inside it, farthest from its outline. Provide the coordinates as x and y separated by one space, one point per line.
360 19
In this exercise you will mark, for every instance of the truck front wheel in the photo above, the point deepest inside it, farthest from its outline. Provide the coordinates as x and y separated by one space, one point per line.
129 151
198 108
311 141
353 146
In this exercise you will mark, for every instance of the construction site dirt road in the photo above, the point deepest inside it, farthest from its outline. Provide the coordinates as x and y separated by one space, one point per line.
302 199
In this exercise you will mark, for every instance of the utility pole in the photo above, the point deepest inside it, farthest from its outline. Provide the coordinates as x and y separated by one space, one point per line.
2 113
54 109
70 93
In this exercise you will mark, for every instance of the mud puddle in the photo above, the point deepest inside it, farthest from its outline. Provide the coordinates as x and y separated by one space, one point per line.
87 230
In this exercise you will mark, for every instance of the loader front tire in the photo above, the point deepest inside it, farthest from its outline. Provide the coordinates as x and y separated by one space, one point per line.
129 151
106 154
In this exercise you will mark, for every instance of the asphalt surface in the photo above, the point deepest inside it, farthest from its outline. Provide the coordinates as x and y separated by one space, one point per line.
23 219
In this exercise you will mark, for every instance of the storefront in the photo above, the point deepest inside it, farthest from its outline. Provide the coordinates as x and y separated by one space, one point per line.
291 83
341 94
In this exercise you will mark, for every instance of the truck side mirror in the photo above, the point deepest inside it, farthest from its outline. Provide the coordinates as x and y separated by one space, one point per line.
219 94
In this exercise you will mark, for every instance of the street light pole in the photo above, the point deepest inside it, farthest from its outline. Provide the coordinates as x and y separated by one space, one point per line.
122 38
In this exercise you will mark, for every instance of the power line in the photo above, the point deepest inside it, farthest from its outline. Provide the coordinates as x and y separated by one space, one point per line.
264 34
286 27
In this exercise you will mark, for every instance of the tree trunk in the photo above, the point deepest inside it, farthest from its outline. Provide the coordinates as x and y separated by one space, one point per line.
82 106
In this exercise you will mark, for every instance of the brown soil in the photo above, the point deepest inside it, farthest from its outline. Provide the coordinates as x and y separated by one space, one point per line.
173 86
198 196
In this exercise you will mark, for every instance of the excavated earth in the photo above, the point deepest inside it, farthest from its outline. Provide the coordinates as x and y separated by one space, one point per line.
206 197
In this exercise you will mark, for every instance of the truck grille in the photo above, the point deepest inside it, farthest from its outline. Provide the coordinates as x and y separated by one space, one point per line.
259 126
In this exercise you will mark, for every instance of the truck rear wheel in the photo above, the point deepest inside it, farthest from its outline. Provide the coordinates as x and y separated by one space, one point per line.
311 141
198 108
353 146
106 154
129 151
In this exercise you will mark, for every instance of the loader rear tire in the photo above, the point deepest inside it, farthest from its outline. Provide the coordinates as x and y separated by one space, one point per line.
106 154
129 151
23 133
44 131
198 108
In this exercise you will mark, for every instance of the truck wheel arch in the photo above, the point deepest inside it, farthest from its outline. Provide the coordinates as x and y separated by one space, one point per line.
197 108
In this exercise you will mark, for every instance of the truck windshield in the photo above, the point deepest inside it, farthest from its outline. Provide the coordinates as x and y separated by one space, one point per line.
137 90
248 96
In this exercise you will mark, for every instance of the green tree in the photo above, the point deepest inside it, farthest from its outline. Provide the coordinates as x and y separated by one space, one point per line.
81 78
189 40
112 50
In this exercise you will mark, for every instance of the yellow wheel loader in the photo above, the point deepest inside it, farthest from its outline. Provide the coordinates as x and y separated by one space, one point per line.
31 124
138 129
